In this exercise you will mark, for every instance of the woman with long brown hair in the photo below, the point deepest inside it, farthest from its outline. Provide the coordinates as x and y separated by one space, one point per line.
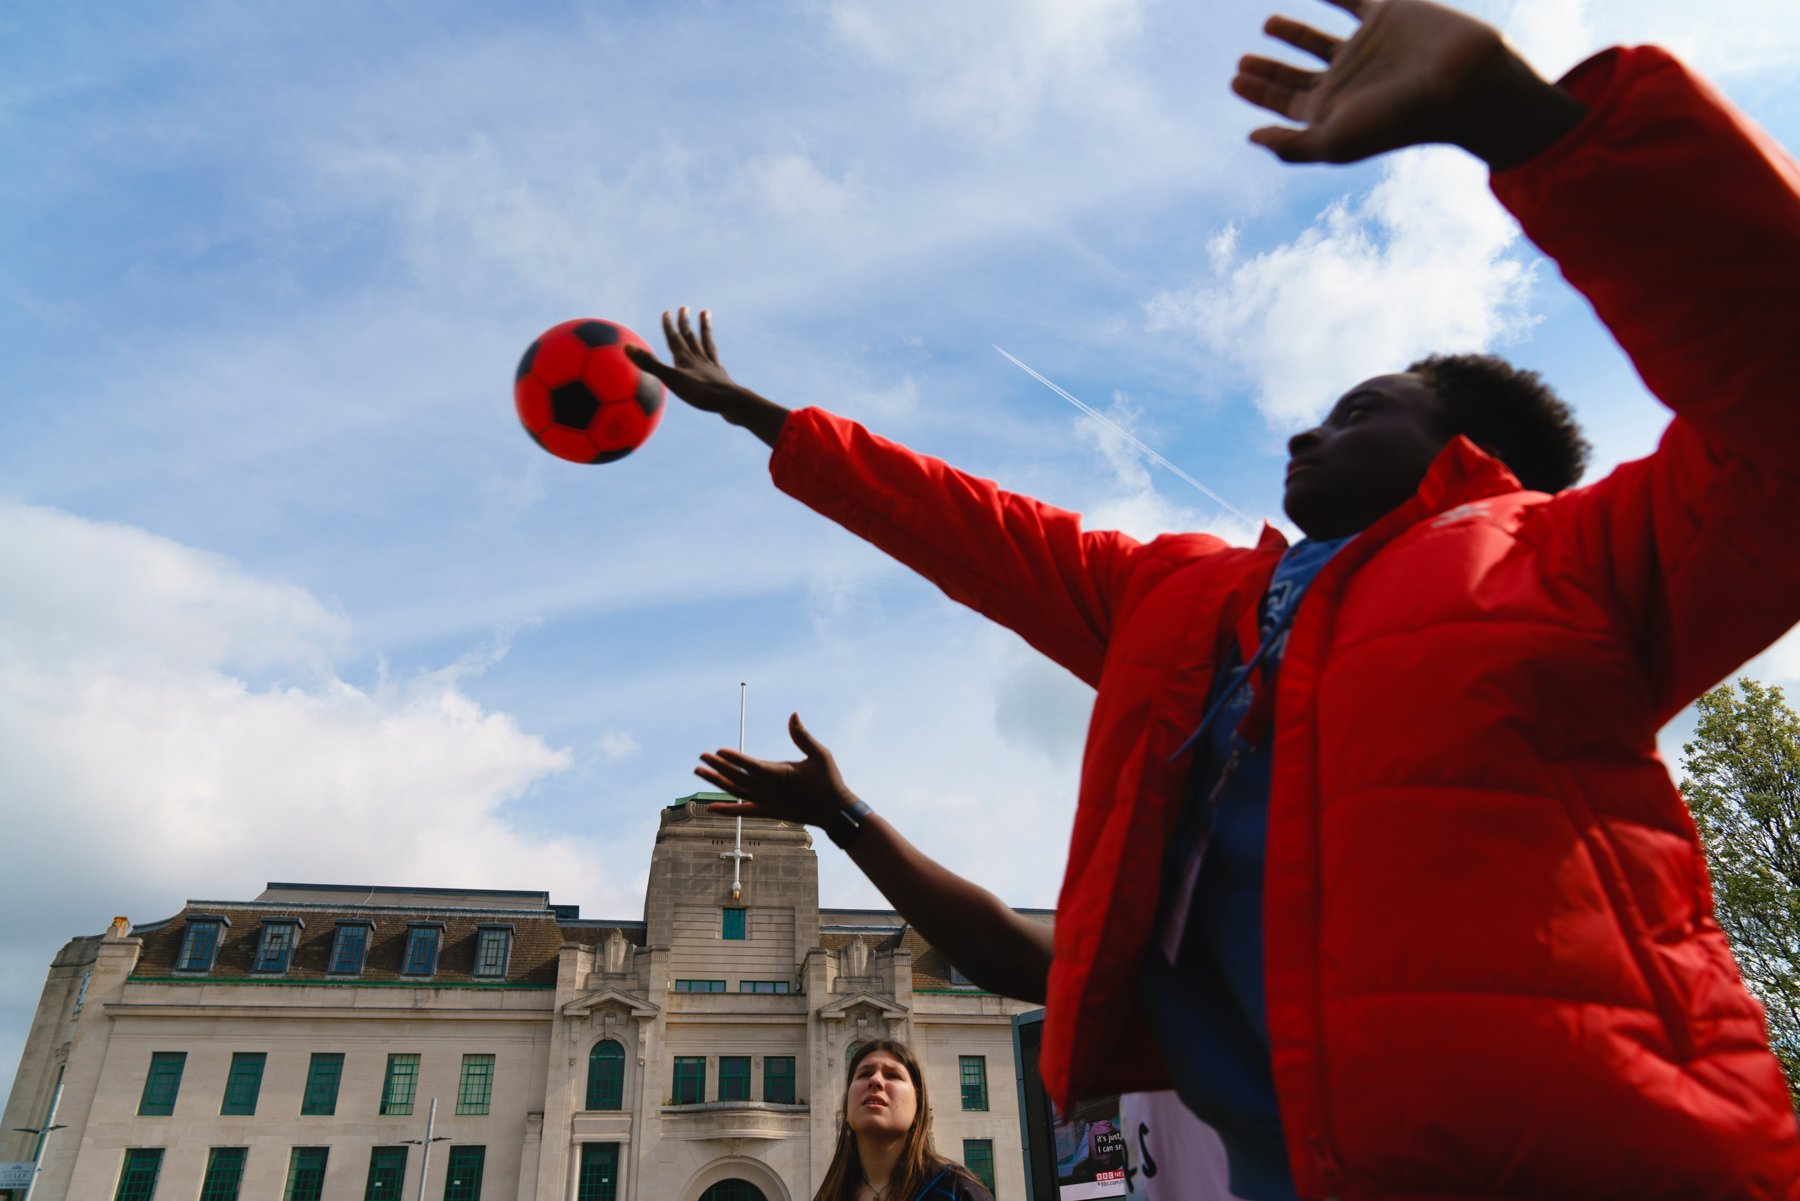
884 1150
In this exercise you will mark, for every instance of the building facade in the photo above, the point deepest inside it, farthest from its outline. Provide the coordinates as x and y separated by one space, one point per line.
326 1042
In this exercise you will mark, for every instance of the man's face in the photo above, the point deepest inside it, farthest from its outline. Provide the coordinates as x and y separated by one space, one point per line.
1366 458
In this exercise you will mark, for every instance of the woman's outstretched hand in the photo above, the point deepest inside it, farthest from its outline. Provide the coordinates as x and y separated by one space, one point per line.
1413 73
805 790
695 375
1000 949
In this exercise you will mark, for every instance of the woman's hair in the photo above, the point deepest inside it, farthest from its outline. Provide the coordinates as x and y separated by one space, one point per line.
919 1161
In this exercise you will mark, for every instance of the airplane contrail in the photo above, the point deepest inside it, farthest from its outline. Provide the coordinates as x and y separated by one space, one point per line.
1126 434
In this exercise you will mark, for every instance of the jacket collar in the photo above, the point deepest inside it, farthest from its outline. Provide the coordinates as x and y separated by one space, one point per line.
1461 473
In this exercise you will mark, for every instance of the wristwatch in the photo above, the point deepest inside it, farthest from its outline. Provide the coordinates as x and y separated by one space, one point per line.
847 823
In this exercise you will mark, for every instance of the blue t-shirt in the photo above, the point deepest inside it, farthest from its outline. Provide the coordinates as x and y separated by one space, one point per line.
1206 1008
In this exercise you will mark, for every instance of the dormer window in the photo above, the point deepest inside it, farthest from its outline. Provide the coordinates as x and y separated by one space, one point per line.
422 940
275 949
350 948
200 943
493 948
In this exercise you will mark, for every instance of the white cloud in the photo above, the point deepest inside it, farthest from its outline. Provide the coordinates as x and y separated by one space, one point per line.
174 726
104 595
793 186
1726 41
1422 262
1039 706
990 66
617 745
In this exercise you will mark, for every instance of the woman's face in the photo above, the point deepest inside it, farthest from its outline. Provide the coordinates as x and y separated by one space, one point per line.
882 1099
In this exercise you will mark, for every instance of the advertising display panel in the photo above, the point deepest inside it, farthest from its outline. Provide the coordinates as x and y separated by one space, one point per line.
1145 1146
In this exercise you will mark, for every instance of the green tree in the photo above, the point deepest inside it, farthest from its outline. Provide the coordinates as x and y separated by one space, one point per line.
1743 783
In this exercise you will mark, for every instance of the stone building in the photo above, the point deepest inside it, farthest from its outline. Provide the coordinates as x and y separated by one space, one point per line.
305 1044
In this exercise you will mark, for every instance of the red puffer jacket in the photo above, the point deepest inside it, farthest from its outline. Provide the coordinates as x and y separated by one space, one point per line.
1491 964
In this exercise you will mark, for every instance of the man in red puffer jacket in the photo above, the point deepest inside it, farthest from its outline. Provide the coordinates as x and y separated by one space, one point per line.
1410 763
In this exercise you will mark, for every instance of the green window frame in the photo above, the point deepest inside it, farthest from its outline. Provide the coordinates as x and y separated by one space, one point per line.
387 1174
243 1084
973 1070
699 986
306 1174
689 1086
732 926
606 1076
734 1077
778 1079
780 988
323 1075
137 1177
200 944
350 948
161 1084
978 1157
462 1180
399 1085
598 1177
275 948
493 949
224 1173
422 941
475 1087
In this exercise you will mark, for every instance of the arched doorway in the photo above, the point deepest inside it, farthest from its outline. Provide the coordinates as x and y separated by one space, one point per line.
733 1190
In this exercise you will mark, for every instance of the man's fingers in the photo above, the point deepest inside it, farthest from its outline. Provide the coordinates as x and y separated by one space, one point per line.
688 341
717 781
1274 73
675 333
736 808
1272 85
729 761
1356 8
809 746
1288 145
647 361
706 337
1302 37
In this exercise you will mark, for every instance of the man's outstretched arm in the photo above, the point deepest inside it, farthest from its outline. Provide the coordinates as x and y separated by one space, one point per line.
995 947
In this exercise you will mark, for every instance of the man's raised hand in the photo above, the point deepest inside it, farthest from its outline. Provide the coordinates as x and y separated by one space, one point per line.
1414 72
695 374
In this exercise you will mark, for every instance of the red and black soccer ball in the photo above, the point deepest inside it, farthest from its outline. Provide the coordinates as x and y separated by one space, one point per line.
580 398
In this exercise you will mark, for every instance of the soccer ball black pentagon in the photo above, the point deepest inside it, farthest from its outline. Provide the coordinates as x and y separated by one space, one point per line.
580 398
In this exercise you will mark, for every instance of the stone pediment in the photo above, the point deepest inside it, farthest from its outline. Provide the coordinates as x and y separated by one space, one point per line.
600 998
843 1006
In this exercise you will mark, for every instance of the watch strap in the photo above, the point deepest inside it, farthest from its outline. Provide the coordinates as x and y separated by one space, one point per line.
847 823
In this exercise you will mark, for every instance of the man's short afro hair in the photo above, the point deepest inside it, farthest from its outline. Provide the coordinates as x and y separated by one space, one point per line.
1512 414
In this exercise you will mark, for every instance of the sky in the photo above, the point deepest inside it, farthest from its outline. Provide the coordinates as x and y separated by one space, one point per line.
286 593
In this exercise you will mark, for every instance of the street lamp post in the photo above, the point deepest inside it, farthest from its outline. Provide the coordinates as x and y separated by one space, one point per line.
43 1133
425 1159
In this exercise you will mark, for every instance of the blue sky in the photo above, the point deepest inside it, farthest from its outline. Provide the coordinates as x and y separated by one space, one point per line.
286 594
